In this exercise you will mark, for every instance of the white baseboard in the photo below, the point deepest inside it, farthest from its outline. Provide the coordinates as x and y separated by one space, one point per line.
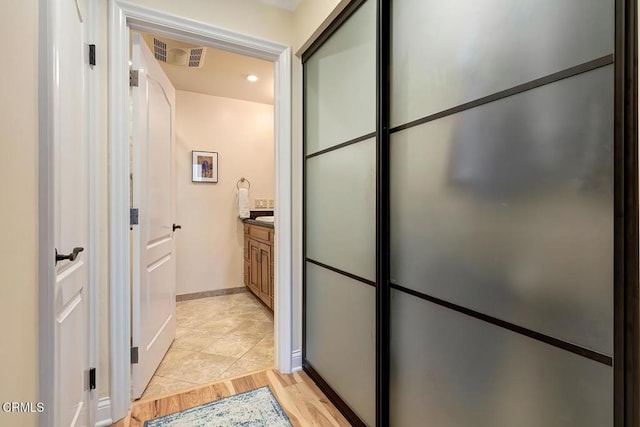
103 416
296 360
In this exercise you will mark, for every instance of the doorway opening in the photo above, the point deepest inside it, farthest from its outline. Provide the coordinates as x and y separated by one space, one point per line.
126 17
224 167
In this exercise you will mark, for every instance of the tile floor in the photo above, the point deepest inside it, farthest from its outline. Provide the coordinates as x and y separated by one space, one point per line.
216 338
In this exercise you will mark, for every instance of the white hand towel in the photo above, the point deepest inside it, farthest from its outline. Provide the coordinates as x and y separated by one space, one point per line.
243 203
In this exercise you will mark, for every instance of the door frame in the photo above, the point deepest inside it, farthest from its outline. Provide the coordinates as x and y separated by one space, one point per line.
48 100
123 17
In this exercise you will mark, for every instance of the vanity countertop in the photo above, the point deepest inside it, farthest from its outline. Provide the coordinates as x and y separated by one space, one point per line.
260 223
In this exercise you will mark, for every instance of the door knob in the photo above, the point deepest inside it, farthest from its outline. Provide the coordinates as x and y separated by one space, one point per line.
71 257
177 227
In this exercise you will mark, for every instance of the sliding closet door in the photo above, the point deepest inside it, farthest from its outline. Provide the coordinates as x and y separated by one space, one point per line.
340 213
501 213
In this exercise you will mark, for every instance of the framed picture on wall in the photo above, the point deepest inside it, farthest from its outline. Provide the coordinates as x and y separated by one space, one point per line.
204 166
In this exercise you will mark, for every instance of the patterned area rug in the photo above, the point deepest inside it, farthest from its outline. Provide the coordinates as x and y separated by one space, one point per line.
254 408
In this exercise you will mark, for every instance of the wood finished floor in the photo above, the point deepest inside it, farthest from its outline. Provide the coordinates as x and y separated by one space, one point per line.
300 398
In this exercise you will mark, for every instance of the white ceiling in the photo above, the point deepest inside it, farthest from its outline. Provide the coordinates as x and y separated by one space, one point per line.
222 74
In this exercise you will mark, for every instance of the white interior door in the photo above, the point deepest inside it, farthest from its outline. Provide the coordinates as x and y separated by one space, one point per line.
154 267
71 214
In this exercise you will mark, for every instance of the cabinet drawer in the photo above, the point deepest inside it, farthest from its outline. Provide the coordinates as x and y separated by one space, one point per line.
261 233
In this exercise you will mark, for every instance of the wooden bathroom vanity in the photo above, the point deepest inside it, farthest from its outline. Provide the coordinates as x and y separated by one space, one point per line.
258 259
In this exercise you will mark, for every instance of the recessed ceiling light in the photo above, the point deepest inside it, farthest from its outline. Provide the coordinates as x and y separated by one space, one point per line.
252 78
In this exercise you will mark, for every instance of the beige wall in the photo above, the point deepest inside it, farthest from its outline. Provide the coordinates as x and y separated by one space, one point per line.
209 247
19 211
312 15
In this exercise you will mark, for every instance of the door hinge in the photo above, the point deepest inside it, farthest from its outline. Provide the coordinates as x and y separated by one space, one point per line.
134 355
133 216
92 55
92 379
133 78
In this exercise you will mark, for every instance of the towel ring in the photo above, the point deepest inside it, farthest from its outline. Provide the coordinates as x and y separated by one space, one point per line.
243 179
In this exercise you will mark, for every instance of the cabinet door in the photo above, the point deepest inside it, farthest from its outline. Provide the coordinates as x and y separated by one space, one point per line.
265 274
271 293
254 273
247 272
271 270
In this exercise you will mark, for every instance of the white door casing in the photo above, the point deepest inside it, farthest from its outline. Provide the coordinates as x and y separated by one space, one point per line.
71 215
154 272
123 16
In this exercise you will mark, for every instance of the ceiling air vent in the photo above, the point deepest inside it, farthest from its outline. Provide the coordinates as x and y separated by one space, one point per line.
195 57
160 50
183 56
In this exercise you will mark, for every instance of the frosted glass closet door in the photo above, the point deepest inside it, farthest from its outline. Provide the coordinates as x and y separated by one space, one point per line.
341 204
509 212
341 337
502 213
454 370
340 211
446 53
340 87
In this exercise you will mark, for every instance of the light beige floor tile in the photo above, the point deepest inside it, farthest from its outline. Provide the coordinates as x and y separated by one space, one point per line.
194 320
174 354
180 332
263 351
217 313
172 359
222 326
186 312
245 366
268 340
241 308
246 305
241 299
185 307
196 340
252 328
161 385
199 368
201 302
227 299
217 337
254 313
232 345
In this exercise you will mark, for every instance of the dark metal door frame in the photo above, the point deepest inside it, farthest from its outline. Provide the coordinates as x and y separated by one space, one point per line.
626 321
